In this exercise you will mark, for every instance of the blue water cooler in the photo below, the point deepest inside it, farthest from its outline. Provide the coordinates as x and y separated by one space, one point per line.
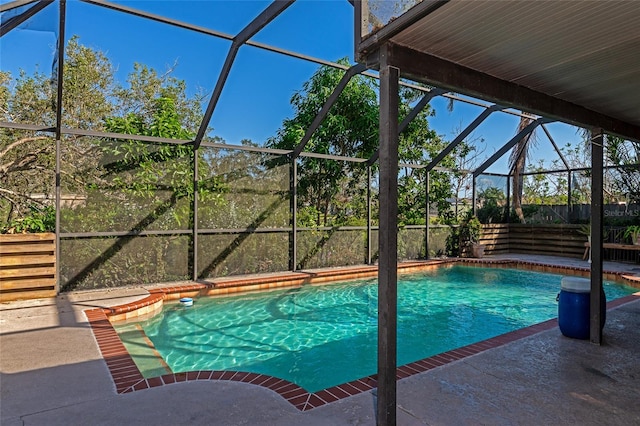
573 307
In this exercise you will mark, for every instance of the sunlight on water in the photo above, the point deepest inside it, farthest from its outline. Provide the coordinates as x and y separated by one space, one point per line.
321 336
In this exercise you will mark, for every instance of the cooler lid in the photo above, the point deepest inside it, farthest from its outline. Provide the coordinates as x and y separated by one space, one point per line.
576 284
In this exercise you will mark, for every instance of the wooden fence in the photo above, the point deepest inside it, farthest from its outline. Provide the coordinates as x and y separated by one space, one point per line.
496 238
27 266
552 240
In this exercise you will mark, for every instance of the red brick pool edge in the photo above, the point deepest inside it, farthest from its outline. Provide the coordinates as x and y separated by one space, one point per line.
128 378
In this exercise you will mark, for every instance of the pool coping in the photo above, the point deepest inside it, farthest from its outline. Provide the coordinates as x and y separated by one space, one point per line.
128 378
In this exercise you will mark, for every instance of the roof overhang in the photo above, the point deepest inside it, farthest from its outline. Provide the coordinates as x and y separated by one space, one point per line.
576 62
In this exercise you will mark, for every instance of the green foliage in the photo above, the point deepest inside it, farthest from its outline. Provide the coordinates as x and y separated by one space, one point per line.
335 190
585 229
625 180
471 230
544 188
142 167
493 208
621 221
330 187
528 212
632 233
621 183
88 86
418 144
38 220
27 158
145 88
467 233
453 241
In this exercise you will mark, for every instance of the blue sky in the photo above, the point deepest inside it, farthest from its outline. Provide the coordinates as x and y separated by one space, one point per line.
256 97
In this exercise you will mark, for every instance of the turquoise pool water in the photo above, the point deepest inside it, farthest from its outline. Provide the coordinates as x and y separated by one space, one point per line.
321 336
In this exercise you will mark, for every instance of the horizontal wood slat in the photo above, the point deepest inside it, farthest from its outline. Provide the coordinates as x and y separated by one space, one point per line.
547 249
558 241
29 294
27 266
21 260
24 238
543 236
27 283
33 271
34 247
504 246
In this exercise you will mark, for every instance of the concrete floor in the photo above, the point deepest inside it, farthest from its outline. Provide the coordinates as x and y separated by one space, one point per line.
51 373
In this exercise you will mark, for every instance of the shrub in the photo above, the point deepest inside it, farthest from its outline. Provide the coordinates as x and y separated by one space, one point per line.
38 220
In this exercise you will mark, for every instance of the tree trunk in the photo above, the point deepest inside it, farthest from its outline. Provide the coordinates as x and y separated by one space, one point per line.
518 162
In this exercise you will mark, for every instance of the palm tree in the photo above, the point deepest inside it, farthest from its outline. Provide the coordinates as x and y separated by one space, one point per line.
518 162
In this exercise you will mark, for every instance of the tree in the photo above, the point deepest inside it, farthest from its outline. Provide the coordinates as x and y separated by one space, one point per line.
621 176
493 209
578 158
517 164
143 168
150 104
27 157
625 179
143 89
466 157
350 129
544 188
332 192
418 144
88 84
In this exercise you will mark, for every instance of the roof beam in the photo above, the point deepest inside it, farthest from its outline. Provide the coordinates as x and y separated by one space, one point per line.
412 114
19 19
509 145
356 69
430 69
555 146
269 14
419 107
62 25
466 132
377 38
14 4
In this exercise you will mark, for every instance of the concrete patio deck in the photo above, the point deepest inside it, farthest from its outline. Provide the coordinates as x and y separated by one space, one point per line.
52 373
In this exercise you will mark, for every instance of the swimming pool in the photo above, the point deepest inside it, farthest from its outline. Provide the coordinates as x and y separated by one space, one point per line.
321 336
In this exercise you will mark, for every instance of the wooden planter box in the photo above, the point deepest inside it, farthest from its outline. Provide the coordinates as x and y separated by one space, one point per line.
27 266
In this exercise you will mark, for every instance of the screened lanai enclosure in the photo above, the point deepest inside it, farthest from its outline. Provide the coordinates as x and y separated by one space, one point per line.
142 180
165 141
